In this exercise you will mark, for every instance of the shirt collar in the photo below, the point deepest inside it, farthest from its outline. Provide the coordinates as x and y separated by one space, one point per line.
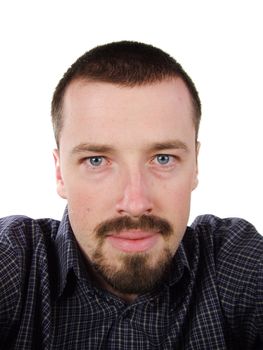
180 262
68 253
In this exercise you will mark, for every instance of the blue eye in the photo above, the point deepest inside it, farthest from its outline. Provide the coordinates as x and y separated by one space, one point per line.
95 161
163 159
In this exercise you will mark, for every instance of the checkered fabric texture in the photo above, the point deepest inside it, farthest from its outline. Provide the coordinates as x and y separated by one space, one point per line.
213 297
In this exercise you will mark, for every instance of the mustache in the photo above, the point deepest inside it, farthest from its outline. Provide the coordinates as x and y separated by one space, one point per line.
144 223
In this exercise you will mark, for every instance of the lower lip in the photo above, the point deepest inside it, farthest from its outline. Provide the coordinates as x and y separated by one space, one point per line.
133 245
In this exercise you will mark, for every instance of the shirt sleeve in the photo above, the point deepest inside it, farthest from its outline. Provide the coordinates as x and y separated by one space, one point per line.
9 290
238 257
260 304
240 280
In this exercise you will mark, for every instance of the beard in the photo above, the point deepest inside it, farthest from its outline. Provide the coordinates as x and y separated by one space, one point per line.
136 275
133 273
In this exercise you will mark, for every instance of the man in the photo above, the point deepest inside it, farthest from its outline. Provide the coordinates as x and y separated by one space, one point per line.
122 270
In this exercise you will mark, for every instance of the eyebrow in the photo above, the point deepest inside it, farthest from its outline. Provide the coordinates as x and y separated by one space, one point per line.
177 144
88 147
155 147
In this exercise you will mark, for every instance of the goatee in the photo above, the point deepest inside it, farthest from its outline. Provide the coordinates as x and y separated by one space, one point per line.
135 274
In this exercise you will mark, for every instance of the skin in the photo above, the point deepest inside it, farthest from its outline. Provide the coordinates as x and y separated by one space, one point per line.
127 128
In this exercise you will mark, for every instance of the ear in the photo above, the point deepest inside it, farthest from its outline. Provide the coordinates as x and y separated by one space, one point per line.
60 183
195 178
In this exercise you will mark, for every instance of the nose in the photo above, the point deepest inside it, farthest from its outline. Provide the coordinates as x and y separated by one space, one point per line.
135 194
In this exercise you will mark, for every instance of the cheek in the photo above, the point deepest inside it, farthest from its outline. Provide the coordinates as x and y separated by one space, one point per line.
80 197
83 194
88 206
177 191
179 203
88 187
175 204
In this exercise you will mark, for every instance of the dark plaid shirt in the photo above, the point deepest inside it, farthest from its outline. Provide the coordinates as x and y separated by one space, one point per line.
212 300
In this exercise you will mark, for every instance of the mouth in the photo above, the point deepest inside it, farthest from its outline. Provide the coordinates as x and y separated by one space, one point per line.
133 241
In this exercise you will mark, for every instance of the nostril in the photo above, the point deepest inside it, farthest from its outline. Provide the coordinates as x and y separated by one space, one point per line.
135 198
134 208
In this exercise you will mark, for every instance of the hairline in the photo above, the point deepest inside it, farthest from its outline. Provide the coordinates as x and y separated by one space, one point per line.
86 80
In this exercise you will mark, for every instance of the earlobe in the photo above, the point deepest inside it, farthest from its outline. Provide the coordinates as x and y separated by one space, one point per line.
59 179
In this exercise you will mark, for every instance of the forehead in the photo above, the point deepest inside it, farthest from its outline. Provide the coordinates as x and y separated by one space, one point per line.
103 112
171 90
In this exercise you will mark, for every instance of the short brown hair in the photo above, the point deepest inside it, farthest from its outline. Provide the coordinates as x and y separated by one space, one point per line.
124 63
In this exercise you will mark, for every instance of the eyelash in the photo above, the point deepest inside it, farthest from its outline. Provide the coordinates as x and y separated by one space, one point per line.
171 158
89 159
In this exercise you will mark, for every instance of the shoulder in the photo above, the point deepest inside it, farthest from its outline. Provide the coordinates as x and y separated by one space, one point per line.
17 231
23 241
231 238
238 259
25 238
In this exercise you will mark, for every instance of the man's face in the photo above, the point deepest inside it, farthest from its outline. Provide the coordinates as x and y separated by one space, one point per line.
127 165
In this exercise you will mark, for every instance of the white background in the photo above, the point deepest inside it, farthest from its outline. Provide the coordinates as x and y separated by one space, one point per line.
219 43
